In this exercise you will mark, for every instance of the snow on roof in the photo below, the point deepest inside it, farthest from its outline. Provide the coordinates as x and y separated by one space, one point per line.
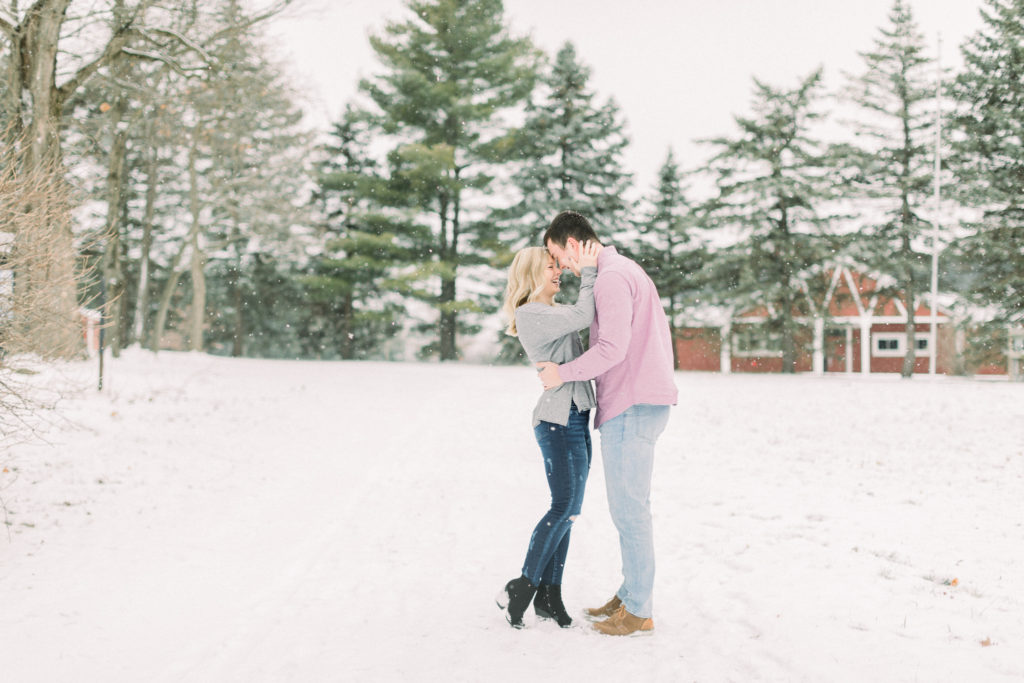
704 315
866 283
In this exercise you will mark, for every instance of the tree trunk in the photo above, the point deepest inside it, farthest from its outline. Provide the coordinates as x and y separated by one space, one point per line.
41 101
237 342
448 319
197 311
142 299
235 287
113 267
788 333
670 266
347 324
788 326
910 294
174 274
446 300
234 276
906 221
175 270
37 103
673 332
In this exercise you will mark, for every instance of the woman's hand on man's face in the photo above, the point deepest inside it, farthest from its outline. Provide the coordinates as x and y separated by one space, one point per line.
589 252
585 255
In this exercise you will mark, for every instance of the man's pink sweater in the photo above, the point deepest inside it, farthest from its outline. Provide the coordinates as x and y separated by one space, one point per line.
630 354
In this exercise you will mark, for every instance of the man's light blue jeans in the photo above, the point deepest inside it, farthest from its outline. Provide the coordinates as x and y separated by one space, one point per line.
627 448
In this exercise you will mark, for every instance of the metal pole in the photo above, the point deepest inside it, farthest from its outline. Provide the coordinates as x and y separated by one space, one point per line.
934 343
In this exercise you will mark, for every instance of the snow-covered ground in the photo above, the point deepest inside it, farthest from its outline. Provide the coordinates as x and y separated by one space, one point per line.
210 519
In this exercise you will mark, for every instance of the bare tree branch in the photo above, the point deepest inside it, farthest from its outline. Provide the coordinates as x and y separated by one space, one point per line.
272 11
8 22
118 41
184 40
157 57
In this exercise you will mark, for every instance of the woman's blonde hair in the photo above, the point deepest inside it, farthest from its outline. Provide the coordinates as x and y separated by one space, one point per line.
525 282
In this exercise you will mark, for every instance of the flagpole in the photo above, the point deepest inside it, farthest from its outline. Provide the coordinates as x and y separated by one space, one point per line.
934 343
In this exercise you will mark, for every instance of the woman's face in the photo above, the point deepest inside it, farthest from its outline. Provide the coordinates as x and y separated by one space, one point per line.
552 274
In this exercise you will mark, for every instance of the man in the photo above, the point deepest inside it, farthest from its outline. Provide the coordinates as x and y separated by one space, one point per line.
630 357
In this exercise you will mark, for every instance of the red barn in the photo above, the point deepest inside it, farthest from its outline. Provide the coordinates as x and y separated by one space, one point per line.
854 328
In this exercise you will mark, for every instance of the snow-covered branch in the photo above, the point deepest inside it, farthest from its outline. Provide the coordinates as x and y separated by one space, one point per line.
271 11
157 57
118 41
116 44
8 22
184 40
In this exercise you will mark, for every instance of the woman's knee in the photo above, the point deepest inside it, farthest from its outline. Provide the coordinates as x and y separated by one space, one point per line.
566 512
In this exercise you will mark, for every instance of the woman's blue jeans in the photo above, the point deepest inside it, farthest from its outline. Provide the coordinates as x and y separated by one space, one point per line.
567 453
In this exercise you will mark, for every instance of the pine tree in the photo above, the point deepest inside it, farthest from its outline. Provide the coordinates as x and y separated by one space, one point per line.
267 289
670 245
354 288
246 148
771 181
257 157
989 157
892 171
452 72
572 149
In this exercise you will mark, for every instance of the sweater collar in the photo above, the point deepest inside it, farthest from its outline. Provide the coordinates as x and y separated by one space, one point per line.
607 252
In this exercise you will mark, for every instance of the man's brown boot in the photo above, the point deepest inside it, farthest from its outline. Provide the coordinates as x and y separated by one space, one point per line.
606 610
625 624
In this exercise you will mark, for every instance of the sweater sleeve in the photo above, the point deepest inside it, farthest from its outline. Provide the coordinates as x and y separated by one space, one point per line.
616 304
538 325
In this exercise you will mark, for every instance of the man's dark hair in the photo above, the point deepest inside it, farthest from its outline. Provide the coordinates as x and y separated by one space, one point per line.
570 224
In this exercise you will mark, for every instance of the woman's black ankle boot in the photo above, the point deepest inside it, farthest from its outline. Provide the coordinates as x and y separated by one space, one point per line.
548 605
516 598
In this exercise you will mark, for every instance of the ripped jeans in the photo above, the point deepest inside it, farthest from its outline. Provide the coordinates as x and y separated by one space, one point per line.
567 453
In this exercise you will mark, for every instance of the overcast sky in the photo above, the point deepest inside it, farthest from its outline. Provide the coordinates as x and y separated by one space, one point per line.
679 69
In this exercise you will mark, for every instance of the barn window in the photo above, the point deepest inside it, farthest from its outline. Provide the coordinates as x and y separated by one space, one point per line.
755 341
1017 341
894 344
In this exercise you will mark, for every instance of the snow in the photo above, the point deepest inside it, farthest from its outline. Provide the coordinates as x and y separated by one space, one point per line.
212 519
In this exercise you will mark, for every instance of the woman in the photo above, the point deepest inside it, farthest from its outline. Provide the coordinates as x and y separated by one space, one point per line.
549 332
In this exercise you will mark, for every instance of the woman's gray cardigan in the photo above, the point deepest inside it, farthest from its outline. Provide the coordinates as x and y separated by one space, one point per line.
551 333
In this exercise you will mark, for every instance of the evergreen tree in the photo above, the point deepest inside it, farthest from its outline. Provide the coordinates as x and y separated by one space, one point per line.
269 293
354 287
452 71
771 181
670 245
571 149
892 172
251 148
989 156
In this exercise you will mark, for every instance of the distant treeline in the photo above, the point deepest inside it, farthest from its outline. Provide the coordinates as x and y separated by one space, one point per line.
206 217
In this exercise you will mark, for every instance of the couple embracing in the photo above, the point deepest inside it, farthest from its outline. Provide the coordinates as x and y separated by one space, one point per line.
630 358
